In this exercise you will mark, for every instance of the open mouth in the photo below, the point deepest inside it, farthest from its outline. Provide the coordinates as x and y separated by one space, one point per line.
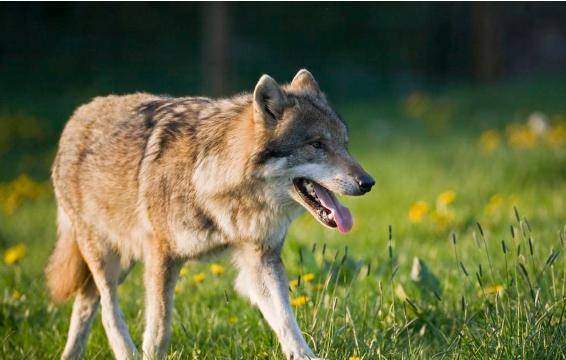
324 206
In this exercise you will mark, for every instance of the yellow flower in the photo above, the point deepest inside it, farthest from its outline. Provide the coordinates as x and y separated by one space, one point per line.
299 301
492 290
354 357
520 137
308 277
13 193
184 271
446 198
233 319
216 269
418 211
27 187
13 254
489 141
294 283
493 204
263 353
198 278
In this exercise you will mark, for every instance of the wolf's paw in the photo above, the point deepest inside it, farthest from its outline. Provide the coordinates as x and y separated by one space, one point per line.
302 354
304 357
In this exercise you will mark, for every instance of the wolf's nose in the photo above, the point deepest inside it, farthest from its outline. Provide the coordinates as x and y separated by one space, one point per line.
365 183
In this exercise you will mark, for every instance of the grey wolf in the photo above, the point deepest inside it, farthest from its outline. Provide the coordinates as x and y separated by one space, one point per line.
163 180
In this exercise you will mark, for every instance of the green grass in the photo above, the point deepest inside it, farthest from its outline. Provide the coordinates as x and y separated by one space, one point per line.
363 301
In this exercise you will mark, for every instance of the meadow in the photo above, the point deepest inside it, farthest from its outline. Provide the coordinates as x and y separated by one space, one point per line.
457 253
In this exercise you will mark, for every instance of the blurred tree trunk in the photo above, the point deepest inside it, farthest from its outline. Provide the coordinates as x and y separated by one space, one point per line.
486 47
215 43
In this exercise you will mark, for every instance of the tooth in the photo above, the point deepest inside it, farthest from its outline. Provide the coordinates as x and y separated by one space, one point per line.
310 188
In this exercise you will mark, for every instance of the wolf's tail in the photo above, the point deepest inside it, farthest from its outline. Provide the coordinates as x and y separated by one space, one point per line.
66 271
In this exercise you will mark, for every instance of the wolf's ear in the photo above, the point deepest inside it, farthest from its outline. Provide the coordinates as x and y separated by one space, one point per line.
305 81
269 100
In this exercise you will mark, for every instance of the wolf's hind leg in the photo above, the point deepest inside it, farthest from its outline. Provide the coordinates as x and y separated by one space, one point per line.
107 271
161 273
262 278
84 310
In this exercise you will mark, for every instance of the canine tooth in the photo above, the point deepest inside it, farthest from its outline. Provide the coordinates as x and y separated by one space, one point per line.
310 188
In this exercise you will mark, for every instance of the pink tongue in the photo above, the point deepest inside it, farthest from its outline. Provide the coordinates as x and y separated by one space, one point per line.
342 215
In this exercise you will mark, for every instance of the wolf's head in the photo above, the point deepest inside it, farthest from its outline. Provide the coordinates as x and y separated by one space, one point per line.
305 149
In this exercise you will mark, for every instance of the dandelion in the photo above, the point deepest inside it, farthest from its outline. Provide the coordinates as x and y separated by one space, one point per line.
27 187
14 254
489 141
418 211
492 290
308 277
216 269
521 137
200 277
13 193
299 301
294 283
446 198
233 319
354 357
184 271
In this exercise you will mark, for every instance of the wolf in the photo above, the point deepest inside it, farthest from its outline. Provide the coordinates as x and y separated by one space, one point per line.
164 180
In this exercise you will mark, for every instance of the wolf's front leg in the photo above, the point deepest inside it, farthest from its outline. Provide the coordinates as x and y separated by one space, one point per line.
262 278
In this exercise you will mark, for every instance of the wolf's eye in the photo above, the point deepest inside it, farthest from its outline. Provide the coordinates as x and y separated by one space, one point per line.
316 144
